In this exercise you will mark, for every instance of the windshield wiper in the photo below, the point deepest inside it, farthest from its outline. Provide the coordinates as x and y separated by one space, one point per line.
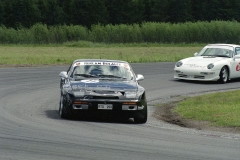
222 56
216 55
85 75
110 76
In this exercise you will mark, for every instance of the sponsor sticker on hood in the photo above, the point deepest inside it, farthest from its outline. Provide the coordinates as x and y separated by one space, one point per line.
194 65
90 80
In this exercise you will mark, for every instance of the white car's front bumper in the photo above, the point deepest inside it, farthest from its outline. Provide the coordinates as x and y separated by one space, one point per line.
196 74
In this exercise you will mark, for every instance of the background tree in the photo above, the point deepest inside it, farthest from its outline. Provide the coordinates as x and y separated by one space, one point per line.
1 15
156 11
234 10
79 12
25 13
54 13
7 15
98 12
179 11
118 12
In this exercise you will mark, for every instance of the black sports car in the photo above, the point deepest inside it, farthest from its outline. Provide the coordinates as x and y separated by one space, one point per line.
102 87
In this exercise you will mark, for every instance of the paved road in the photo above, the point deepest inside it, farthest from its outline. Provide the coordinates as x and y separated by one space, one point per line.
30 127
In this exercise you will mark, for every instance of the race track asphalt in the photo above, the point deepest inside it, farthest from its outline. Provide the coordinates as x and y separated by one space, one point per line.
30 127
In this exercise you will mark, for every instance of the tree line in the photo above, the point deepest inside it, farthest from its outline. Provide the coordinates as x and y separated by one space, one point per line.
147 32
26 13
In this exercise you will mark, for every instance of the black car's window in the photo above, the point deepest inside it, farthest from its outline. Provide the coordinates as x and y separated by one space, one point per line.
102 71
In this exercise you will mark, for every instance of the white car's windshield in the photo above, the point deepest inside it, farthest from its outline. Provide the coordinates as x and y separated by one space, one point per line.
102 71
216 52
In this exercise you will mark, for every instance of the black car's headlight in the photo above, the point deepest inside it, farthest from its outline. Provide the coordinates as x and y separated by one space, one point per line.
67 88
179 64
78 93
134 93
210 66
130 94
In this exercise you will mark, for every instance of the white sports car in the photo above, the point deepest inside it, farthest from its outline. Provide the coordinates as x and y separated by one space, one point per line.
215 62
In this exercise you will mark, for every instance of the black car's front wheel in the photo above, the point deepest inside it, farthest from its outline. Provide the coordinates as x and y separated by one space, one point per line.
64 110
141 118
224 75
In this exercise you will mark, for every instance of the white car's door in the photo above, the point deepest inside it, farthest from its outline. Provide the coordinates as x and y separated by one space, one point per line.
235 65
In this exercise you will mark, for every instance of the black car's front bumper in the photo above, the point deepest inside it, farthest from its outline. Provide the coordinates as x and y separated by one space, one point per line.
116 106
120 108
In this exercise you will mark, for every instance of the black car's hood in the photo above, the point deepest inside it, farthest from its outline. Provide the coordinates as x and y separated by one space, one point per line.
98 84
90 89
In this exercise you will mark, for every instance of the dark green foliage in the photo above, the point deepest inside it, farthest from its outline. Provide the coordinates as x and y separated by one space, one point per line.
121 11
179 11
26 13
19 13
79 12
1 15
156 11
147 32
87 12
119 21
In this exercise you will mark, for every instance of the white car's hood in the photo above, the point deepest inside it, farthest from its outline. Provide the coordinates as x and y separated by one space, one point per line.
200 61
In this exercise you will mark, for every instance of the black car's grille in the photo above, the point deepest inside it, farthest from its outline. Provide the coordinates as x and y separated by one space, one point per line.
104 97
116 106
104 92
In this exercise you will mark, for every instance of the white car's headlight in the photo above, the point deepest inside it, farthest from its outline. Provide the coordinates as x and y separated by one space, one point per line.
210 66
78 93
179 64
130 94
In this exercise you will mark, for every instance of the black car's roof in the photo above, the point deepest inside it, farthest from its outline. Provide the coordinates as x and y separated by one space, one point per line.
99 60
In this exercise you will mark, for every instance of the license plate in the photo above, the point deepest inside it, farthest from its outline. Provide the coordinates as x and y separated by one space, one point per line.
105 106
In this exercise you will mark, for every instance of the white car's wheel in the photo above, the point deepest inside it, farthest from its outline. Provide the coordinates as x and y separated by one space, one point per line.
224 75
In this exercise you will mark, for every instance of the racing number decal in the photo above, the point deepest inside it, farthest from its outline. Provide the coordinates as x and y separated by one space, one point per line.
238 67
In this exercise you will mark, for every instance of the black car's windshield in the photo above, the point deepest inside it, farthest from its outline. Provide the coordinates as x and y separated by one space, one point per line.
102 72
216 52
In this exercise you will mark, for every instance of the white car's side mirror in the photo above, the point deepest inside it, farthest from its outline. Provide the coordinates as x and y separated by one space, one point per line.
140 77
63 74
195 54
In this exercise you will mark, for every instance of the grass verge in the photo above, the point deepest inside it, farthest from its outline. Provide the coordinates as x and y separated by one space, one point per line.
221 109
67 52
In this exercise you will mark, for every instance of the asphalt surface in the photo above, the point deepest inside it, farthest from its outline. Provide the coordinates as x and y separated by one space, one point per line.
30 127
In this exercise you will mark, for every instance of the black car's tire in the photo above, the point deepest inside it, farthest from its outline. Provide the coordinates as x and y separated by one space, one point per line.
61 83
125 119
64 109
142 118
224 73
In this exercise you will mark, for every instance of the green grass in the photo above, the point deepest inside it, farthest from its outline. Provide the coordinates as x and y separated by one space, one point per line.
221 109
67 52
